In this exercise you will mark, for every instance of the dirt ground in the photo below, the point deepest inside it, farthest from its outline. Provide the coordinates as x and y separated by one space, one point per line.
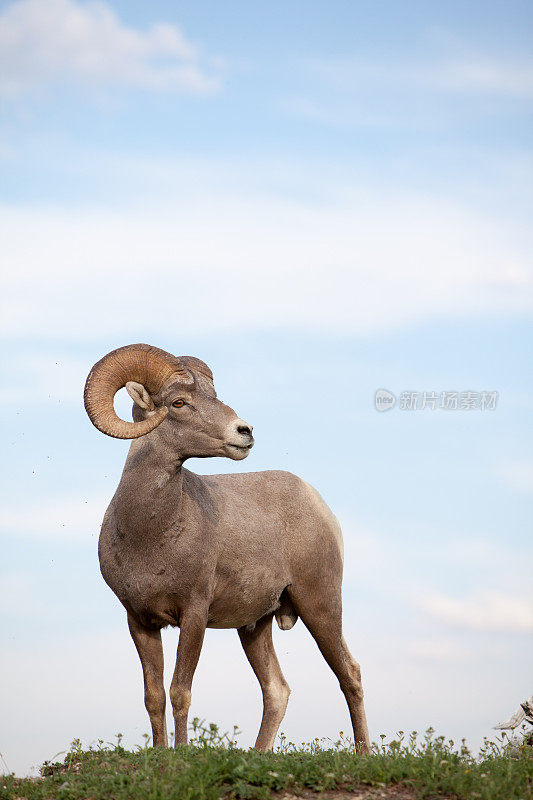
396 792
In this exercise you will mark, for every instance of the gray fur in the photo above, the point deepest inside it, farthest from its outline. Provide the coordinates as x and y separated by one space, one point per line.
220 551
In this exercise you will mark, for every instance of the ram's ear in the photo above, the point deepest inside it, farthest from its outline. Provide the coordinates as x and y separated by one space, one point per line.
140 396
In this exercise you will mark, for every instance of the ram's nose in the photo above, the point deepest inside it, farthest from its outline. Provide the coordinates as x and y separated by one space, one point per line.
240 440
243 433
243 428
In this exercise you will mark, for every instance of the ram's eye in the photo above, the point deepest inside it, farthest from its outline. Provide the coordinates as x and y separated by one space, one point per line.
178 403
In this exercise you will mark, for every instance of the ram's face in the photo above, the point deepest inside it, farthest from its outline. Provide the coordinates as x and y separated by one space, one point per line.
198 424
173 393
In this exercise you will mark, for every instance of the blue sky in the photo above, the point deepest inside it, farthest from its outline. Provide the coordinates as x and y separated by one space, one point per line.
319 201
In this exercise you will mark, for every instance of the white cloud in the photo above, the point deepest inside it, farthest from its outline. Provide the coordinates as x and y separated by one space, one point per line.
423 574
43 377
437 649
486 611
518 475
210 261
49 41
356 92
481 75
72 518
18 594
468 73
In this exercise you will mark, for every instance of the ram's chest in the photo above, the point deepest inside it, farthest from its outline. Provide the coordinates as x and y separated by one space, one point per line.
153 580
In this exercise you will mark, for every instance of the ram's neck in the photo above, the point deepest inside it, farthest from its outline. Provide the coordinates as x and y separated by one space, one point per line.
149 497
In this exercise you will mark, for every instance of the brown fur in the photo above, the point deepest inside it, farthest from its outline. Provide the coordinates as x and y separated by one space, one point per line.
220 551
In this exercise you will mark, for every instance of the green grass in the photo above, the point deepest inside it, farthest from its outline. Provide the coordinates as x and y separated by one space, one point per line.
212 766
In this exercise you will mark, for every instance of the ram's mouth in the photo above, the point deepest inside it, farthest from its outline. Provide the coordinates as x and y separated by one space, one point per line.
238 451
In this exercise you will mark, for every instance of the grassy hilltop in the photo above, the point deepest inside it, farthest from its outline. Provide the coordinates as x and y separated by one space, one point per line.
214 767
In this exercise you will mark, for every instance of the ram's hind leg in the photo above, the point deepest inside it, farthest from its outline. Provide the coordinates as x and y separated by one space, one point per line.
321 612
259 649
150 649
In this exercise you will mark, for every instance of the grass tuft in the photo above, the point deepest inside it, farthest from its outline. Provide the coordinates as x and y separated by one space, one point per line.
213 766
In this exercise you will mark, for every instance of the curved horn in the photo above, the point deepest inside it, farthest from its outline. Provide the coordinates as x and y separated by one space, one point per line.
142 363
198 366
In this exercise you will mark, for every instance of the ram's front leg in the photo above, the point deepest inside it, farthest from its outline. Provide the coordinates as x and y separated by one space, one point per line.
192 630
150 649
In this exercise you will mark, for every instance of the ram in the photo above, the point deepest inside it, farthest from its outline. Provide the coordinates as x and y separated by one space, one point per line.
212 551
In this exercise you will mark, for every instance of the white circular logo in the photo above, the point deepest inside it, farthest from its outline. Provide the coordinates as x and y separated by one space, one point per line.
384 400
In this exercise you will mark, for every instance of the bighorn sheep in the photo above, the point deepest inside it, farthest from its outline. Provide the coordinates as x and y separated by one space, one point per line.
215 551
